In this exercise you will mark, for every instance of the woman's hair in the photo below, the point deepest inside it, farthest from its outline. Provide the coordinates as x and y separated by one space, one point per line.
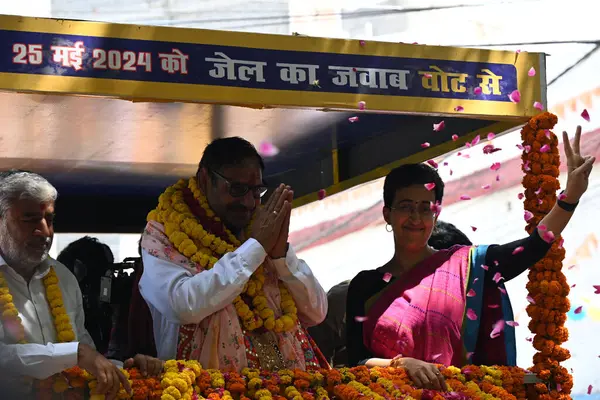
95 255
23 185
411 174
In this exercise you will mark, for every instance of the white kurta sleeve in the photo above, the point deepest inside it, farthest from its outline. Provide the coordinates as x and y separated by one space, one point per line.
310 298
185 299
36 360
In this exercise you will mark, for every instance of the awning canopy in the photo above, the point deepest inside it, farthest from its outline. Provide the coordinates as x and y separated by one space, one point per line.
112 113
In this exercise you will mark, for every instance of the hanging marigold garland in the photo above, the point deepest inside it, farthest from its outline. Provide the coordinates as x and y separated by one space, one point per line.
547 286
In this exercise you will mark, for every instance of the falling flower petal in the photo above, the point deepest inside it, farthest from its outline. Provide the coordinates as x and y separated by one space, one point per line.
491 136
545 148
573 285
439 127
486 187
362 105
459 153
426 75
459 108
542 227
476 140
496 263
572 266
473 228
547 133
527 148
515 96
436 208
529 339
475 280
493 306
361 43
353 119
520 196
471 314
471 293
518 250
590 388
497 178
560 243
596 289
497 277
497 330
454 137
495 166
538 106
477 90
537 192
528 215
512 323
578 310
519 146
436 356
531 71
465 197
430 186
360 319
321 194
530 299
469 355
562 196
585 115
387 277
489 149
485 267
425 145
433 163
451 172
267 149
549 237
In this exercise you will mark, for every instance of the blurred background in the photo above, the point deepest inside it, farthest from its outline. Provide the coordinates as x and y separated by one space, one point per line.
345 233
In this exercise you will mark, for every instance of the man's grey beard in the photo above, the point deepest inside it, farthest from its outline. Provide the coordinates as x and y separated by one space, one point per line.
15 254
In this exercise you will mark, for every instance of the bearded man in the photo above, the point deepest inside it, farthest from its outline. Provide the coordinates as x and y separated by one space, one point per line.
222 284
42 329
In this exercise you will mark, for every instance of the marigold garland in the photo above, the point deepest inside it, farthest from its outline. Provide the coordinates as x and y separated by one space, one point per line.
547 284
194 230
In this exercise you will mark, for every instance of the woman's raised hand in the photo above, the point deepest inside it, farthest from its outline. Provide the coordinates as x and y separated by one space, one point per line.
579 167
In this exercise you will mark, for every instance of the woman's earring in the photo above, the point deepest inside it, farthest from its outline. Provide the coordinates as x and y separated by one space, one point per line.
390 228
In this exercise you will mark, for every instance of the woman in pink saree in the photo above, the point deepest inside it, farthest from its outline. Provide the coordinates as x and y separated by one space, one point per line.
449 306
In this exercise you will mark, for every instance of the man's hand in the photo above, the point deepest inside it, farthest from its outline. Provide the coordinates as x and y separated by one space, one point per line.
269 219
108 375
423 374
146 364
281 246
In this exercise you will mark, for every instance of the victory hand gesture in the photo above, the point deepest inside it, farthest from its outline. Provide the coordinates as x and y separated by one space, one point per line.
579 167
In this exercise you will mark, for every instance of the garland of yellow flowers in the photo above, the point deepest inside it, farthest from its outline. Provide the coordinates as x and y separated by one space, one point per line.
192 240
547 286
10 314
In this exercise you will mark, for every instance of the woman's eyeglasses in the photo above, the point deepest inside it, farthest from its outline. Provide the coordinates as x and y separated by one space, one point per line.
423 208
237 189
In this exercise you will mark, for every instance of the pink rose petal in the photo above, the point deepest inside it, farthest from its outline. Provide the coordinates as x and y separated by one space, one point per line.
486 187
578 310
547 133
585 115
471 314
485 267
573 285
545 148
476 140
477 90
497 330
497 178
562 196
590 388
469 355
474 228
596 289
527 149
496 263
451 172
571 267
362 105
436 208
518 250
538 106
353 119
512 323
471 293
360 319
436 356
489 149
493 306
475 280
497 277
433 163
465 197
491 135
387 277
515 96
267 149
503 291
528 215
321 194
426 75
530 299
520 196
560 243
459 108
430 186
558 387
548 237
425 145
459 153
531 71
529 339
542 227
520 147
439 127
495 166
537 192
454 138
361 43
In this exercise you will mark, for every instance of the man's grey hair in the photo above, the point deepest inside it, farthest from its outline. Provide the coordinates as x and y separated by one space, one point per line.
23 185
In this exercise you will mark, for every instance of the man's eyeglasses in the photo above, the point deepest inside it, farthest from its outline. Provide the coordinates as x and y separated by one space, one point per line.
237 189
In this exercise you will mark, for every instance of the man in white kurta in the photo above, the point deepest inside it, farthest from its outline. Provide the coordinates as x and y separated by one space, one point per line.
26 233
230 177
